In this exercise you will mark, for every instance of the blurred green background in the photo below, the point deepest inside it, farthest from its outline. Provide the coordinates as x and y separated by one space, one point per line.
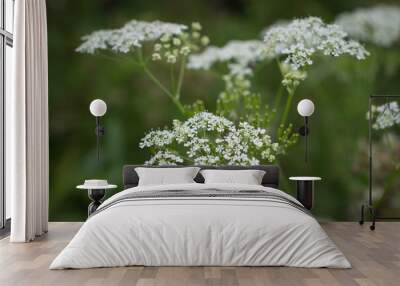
339 89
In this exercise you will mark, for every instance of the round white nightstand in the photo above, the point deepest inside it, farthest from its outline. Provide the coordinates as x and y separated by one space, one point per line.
305 190
96 195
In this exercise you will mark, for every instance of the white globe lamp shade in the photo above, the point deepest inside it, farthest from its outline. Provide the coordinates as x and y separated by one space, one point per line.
305 107
98 107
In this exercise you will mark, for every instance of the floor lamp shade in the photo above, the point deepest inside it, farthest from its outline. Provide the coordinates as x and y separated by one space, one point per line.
98 108
305 108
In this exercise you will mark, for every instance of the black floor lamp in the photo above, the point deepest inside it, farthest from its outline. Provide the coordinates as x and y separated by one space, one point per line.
98 108
369 205
305 108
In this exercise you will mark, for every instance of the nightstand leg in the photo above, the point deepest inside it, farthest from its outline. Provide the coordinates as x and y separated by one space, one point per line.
95 196
305 193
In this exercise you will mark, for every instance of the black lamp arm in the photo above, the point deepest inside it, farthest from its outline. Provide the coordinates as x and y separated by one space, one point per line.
99 131
305 131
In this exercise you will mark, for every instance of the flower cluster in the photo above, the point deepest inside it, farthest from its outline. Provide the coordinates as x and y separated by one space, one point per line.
379 25
238 54
171 46
157 138
208 139
132 35
302 38
279 23
165 158
292 77
239 103
385 116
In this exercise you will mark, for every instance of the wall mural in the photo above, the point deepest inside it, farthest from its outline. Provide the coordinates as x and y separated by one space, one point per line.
241 131
222 91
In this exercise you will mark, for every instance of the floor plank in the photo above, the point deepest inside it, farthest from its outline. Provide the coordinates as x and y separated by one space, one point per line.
375 257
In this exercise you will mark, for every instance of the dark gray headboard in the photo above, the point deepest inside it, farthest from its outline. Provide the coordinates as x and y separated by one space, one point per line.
271 177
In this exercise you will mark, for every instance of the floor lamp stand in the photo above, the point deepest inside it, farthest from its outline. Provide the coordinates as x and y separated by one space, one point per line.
305 131
370 205
100 131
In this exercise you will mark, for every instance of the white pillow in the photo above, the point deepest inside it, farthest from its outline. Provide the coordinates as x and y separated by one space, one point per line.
248 177
165 176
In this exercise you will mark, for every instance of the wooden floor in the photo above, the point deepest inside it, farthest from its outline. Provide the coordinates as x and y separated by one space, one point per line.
375 257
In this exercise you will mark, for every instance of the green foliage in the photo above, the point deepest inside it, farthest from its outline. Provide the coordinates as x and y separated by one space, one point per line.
339 88
195 107
171 48
287 137
239 103
292 78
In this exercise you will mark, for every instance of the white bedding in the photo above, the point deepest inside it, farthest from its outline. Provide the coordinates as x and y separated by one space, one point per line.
200 231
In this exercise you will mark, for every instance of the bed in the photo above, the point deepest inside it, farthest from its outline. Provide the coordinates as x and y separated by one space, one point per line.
197 224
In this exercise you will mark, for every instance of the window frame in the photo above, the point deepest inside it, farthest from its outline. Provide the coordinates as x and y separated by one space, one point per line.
6 39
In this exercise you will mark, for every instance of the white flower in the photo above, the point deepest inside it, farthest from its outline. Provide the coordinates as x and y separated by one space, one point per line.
291 77
379 24
385 116
238 54
279 23
208 139
157 47
185 50
156 57
157 138
164 158
171 59
165 38
205 40
97 41
302 38
207 160
239 69
132 35
196 26
176 41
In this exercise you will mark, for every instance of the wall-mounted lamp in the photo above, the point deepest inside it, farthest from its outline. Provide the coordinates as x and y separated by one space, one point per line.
305 108
98 108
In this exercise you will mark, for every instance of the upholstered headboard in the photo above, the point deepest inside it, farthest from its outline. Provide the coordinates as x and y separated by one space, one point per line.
271 177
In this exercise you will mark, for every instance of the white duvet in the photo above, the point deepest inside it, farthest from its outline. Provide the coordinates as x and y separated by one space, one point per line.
200 231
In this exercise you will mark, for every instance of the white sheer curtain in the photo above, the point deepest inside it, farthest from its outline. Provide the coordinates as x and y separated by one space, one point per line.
27 124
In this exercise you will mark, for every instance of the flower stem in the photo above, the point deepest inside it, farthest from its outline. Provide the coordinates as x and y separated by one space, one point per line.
287 108
148 72
180 78
279 66
172 78
174 99
289 100
118 59
278 97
